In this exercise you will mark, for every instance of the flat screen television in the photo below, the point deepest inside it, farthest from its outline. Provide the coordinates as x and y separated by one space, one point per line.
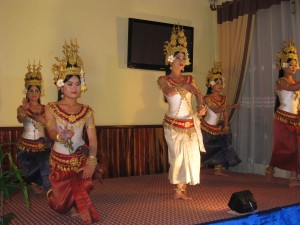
145 44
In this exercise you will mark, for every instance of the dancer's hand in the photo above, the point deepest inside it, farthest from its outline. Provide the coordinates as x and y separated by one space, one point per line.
88 171
40 118
236 106
226 130
25 104
201 111
65 133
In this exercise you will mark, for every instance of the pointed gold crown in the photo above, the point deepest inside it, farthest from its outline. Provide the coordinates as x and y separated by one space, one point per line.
177 43
71 64
34 76
215 73
288 51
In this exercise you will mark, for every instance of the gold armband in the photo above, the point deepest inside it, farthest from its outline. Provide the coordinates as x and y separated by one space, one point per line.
92 126
49 123
91 160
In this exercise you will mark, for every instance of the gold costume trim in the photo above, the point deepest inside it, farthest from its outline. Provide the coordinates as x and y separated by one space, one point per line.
31 145
185 126
211 129
66 163
76 120
287 118
48 123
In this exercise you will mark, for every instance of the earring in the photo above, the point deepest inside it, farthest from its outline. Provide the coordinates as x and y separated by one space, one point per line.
170 67
62 95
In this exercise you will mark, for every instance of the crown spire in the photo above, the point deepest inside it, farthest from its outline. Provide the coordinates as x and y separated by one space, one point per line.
215 73
33 77
177 43
288 51
71 64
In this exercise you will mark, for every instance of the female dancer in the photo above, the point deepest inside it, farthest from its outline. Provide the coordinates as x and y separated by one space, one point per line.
215 129
72 161
286 152
33 147
181 125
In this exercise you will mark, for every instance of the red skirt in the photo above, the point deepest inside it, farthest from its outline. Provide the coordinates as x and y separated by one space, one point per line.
286 151
69 189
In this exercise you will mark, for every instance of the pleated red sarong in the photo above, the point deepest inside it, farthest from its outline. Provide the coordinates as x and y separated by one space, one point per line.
286 151
69 189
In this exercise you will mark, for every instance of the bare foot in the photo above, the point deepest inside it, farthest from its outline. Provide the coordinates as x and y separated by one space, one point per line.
74 213
269 175
36 188
180 195
294 183
270 178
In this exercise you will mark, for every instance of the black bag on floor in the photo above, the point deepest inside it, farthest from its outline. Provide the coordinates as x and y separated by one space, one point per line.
242 202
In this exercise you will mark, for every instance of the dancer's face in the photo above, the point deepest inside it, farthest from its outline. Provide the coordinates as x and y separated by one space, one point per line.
33 93
292 67
217 87
71 87
179 61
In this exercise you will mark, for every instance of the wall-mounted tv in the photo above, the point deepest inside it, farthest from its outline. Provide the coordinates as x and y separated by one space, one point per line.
145 44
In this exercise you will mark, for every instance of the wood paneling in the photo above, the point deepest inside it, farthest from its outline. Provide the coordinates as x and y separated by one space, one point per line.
122 150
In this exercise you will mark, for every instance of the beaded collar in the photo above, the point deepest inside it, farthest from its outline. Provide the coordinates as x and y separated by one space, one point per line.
60 114
187 79
220 102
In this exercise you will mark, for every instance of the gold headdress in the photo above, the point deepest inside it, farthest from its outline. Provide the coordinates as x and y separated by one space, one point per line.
34 77
288 51
177 43
215 73
71 64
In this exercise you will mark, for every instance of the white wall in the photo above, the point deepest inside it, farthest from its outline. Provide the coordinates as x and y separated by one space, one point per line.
37 29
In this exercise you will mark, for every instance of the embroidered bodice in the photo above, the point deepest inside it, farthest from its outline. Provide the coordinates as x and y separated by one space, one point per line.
74 122
289 101
211 117
180 104
33 130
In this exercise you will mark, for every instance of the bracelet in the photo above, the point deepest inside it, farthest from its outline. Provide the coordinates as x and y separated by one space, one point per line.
59 139
91 160
92 126
225 129
200 106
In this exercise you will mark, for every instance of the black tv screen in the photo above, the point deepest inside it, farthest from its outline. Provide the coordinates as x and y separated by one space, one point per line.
145 44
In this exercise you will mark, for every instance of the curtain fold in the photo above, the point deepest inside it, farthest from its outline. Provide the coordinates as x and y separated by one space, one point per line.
252 125
235 28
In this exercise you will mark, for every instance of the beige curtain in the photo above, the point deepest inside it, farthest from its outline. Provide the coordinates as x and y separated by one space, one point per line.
234 41
252 124
235 29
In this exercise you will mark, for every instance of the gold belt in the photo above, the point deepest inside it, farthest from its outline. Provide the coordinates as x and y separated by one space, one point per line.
287 118
67 163
31 145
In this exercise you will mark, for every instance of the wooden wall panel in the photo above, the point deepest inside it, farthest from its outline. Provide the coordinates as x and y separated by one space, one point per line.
122 150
